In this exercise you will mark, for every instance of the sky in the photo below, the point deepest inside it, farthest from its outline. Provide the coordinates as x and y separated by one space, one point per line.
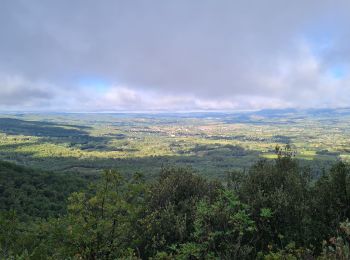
183 55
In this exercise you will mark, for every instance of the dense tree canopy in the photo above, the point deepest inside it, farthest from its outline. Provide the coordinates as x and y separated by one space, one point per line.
274 210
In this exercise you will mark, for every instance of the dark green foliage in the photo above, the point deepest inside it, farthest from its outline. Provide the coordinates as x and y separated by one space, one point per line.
9 233
283 187
171 206
228 149
101 224
33 193
274 210
331 200
223 229
38 128
338 247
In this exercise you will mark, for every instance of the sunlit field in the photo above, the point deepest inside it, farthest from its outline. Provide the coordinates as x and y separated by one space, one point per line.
213 143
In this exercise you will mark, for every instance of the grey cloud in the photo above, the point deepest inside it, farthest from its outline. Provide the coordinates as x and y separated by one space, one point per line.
211 50
16 91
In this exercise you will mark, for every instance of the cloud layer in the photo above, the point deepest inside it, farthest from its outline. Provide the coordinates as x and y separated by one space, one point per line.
173 55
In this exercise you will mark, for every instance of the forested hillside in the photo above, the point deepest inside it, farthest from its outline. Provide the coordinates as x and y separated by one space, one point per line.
34 193
274 210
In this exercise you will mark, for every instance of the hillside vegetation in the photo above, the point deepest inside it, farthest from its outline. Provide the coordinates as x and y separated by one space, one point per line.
273 210
34 193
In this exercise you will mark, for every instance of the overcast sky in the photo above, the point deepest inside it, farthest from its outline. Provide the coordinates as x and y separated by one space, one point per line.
85 55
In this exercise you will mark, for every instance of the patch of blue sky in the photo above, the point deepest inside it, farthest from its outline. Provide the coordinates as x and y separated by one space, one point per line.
95 83
320 38
320 42
320 34
337 71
